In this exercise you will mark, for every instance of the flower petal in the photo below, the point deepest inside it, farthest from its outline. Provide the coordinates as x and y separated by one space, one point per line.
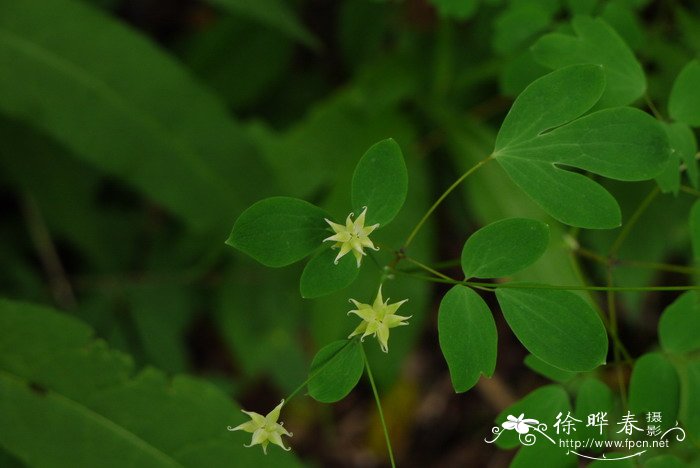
274 415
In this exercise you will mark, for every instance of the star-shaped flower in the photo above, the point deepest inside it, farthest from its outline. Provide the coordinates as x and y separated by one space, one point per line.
520 424
377 319
265 429
354 236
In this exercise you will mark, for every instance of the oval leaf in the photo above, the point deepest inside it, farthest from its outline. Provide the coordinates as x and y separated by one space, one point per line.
468 337
654 387
557 326
279 231
679 324
380 182
504 247
684 102
322 276
335 371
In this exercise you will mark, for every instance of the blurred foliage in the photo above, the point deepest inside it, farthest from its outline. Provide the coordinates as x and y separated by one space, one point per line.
133 133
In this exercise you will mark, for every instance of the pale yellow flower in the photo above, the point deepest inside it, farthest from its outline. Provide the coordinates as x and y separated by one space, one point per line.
377 319
353 237
265 429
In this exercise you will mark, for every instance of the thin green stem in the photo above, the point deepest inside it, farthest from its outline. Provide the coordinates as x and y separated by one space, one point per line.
427 268
317 371
379 407
653 108
440 199
627 228
636 263
612 315
690 190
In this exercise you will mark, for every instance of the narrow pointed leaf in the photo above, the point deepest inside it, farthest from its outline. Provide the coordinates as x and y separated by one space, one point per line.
279 231
380 183
557 326
321 276
468 337
504 247
335 371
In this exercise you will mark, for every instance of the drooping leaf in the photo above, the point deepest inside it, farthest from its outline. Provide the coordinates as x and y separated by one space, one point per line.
468 337
542 404
557 326
67 400
141 118
547 370
504 247
335 371
279 231
684 146
539 135
684 102
456 9
380 182
679 324
654 387
322 276
596 43
273 13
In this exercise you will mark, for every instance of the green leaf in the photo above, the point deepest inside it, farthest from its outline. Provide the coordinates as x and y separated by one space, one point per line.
596 43
322 276
689 414
139 116
684 145
335 371
695 230
679 324
516 26
504 247
547 370
665 461
67 400
684 102
593 396
557 326
542 404
380 182
654 386
468 337
539 135
279 231
456 9
273 13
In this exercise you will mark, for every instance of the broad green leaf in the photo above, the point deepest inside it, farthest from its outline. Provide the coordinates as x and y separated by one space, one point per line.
679 324
504 247
684 146
542 404
273 13
335 371
557 326
67 400
456 9
138 116
552 373
689 413
468 337
380 182
594 397
322 276
654 387
279 231
596 43
518 25
625 22
665 461
540 135
684 102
